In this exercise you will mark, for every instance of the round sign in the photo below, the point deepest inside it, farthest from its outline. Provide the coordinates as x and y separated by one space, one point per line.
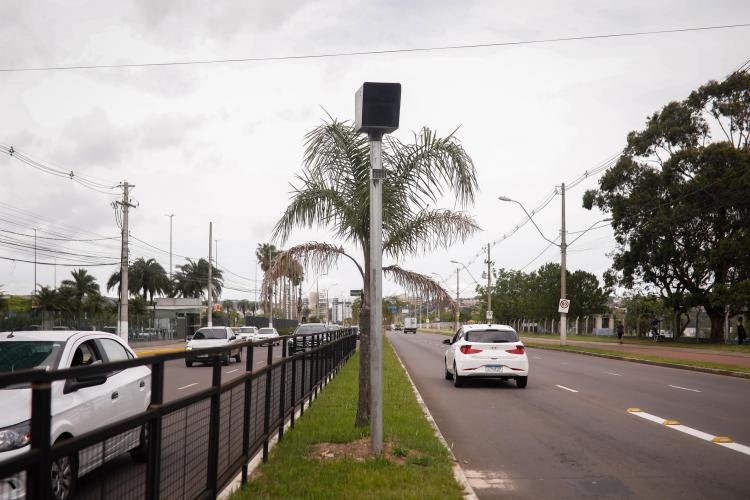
564 303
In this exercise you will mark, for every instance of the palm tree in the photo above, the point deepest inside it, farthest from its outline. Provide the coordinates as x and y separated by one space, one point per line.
146 277
266 253
333 192
83 284
46 299
191 280
244 305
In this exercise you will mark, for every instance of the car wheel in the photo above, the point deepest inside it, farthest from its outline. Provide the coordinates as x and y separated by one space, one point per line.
64 476
140 453
448 375
188 363
457 380
238 357
521 382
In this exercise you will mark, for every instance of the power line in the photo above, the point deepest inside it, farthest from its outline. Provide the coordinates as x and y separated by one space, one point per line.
60 264
326 55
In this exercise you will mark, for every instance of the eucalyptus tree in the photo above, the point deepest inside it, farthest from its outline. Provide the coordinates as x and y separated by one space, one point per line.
333 192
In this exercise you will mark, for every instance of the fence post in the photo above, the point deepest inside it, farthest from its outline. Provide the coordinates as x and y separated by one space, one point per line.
213 432
304 372
292 396
282 391
38 484
152 430
246 415
267 409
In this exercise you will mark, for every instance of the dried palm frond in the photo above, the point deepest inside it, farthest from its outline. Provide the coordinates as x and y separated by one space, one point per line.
419 284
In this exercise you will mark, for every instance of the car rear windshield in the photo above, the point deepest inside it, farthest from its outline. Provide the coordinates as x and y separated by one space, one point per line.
491 336
304 329
210 334
266 331
247 329
23 355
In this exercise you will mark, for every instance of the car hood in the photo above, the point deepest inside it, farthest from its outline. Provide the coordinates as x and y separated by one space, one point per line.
203 343
16 404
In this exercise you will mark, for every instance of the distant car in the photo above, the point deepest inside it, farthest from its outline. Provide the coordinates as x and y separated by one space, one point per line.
115 396
491 351
410 325
399 327
247 333
302 343
216 336
267 332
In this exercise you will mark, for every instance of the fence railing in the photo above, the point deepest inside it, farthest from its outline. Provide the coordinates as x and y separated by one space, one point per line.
190 447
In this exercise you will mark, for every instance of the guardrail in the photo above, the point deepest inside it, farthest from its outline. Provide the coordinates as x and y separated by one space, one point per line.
194 445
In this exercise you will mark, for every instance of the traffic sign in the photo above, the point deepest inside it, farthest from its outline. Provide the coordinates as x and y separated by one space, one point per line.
489 315
564 306
392 308
355 293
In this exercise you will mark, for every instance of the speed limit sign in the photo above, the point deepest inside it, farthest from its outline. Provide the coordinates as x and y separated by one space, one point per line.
564 306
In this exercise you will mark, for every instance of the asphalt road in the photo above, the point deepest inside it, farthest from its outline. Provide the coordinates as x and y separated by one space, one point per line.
122 478
547 441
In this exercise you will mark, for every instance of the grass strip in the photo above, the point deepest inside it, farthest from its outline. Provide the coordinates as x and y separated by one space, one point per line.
424 472
644 357
644 341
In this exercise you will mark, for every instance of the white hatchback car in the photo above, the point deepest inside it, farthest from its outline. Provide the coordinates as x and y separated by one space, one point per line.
215 336
493 351
266 333
79 405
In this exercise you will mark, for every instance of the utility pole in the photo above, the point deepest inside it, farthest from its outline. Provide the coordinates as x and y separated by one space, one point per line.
170 244
563 272
210 285
122 325
35 262
458 301
489 285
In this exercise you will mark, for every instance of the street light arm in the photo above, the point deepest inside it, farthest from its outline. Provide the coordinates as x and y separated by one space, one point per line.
467 270
503 198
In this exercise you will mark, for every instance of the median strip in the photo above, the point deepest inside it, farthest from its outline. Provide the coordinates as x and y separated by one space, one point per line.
724 441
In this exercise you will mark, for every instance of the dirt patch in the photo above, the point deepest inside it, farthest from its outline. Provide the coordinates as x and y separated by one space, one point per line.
357 450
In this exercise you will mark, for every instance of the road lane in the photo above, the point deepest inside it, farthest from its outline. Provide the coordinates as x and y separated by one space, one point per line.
544 442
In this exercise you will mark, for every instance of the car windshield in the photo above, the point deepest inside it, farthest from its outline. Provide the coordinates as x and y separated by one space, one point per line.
210 334
491 336
266 331
303 329
22 355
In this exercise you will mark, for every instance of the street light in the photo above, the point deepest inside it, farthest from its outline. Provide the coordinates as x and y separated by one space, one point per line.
489 278
170 244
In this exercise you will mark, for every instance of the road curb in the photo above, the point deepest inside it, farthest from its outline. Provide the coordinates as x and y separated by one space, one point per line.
715 371
458 472
151 352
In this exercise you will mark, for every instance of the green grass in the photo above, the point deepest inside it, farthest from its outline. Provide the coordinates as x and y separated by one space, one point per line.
426 473
630 355
645 341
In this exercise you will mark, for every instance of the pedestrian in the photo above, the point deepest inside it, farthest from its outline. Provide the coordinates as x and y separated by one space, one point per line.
620 330
655 329
741 333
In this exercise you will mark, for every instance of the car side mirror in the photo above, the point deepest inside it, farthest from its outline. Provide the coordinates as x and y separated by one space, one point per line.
233 337
83 381
447 341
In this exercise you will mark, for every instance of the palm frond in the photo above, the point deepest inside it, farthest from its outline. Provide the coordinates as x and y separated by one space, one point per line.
426 230
419 284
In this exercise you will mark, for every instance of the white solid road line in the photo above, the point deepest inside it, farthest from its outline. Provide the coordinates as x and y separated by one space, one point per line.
186 386
684 388
566 388
536 357
674 424
615 374
232 371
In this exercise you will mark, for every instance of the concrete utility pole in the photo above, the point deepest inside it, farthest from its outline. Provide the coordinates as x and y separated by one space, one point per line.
170 244
35 282
210 284
122 325
563 272
458 301
489 285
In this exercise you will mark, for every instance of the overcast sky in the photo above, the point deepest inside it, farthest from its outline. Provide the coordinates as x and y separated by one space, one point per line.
222 142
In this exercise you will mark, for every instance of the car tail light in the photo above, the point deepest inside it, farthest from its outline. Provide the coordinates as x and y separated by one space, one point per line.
468 349
517 350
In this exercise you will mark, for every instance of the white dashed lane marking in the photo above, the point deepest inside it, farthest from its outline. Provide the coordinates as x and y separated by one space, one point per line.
566 388
615 374
232 371
684 388
186 386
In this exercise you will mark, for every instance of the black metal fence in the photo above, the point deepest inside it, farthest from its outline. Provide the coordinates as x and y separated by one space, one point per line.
188 448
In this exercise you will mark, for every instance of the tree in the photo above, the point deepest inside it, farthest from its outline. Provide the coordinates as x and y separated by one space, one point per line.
333 192
191 280
146 276
266 253
82 284
678 202
244 305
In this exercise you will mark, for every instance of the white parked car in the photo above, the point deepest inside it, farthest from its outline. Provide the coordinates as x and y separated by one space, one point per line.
486 351
78 405
215 336
247 333
266 333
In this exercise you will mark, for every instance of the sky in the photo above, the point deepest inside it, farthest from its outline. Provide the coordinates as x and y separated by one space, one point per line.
223 142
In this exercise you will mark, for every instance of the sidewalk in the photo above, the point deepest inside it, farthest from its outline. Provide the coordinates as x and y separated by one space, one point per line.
676 353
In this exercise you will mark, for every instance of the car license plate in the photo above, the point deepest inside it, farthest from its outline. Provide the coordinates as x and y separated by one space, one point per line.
494 369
